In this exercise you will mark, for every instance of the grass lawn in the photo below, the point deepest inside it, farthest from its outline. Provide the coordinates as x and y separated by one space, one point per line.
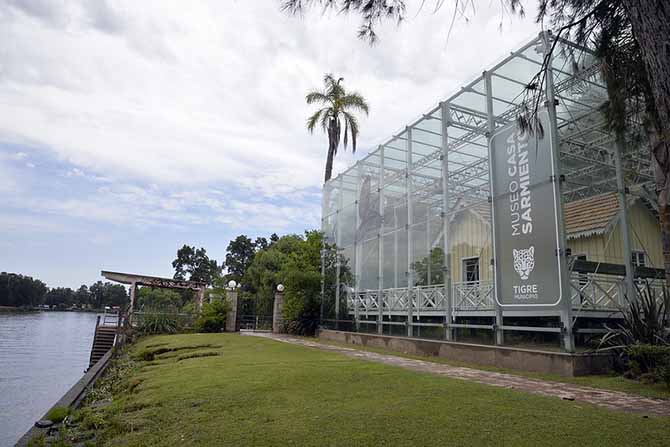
606 382
262 392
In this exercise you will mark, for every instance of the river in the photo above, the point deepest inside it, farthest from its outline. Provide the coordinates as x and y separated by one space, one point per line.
42 354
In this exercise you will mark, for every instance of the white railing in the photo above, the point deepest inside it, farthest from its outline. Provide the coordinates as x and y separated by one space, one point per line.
588 291
594 291
473 295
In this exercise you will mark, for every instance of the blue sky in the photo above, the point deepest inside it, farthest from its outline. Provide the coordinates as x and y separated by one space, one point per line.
131 128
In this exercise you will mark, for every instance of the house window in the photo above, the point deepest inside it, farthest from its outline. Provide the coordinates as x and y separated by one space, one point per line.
639 259
471 269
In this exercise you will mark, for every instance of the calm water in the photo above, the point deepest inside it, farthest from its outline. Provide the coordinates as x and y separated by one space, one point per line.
42 355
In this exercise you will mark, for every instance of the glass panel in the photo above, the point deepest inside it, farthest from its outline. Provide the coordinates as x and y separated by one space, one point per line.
368 265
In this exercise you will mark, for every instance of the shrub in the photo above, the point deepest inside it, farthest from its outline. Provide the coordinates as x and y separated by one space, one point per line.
91 419
302 302
642 341
644 322
155 322
58 414
648 357
663 373
213 317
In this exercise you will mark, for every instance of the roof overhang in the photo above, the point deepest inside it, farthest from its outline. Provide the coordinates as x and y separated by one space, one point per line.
152 281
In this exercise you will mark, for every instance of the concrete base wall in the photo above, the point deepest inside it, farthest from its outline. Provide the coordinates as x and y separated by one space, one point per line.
546 362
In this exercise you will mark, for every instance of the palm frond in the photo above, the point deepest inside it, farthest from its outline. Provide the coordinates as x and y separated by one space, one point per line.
333 87
355 101
316 96
346 133
312 120
325 120
336 132
353 129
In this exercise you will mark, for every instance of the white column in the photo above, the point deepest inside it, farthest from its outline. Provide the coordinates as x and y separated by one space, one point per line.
499 338
566 304
624 222
338 240
408 194
358 249
446 267
380 247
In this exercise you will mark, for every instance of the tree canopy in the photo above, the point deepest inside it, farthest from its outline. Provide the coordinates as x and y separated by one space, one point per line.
23 291
193 264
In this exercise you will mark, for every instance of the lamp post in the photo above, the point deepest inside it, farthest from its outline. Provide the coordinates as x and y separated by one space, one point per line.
231 296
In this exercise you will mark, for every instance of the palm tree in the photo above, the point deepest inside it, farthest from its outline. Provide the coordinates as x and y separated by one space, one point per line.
338 108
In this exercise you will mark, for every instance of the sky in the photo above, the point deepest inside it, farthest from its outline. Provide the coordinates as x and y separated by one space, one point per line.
131 128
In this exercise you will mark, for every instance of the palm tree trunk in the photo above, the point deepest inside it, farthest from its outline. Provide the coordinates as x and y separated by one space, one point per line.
650 20
331 153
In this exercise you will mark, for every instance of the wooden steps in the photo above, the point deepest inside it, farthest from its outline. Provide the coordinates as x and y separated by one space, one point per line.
103 341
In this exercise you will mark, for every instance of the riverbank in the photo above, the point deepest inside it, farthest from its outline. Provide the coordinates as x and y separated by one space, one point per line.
226 389
8 309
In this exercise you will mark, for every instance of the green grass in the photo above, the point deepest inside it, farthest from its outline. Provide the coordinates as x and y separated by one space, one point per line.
263 392
605 382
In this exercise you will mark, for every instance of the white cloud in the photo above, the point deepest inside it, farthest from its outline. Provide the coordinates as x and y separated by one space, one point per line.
214 92
160 120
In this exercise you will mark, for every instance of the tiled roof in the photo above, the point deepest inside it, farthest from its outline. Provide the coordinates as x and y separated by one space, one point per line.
590 216
586 217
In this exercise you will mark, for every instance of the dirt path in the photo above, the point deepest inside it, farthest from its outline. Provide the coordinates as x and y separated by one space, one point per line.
614 400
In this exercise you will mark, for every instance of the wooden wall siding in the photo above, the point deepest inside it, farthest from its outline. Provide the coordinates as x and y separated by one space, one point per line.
645 236
470 236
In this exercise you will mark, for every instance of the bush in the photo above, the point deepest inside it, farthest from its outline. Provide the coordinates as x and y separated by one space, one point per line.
648 363
58 414
648 357
302 302
153 321
213 317
644 322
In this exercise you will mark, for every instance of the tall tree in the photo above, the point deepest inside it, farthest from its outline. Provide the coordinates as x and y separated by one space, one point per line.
239 254
194 265
337 108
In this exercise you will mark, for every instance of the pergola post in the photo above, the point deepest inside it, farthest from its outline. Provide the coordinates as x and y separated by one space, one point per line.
408 195
446 267
133 295
499 333
380 246
566 304
201 298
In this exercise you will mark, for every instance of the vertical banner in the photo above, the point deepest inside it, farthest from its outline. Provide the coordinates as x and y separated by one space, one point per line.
525 217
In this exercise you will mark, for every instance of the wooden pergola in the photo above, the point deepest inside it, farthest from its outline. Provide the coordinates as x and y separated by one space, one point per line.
134 280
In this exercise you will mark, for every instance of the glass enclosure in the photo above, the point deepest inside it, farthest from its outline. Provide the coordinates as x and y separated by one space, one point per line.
408 228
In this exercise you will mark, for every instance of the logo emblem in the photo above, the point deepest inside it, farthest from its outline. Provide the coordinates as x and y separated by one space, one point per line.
524 261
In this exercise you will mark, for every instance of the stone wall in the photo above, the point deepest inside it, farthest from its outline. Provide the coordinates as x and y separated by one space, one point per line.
546 362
